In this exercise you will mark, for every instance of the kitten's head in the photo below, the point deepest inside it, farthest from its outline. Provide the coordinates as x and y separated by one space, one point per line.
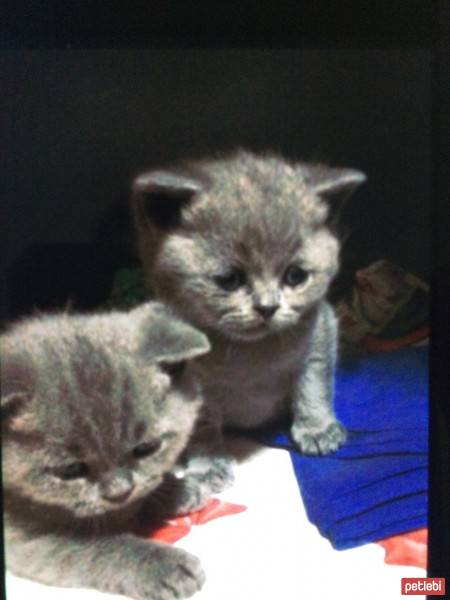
245 245
95 410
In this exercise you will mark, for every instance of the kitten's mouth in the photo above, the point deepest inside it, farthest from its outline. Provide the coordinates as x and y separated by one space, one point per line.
259 330
103 511
253 332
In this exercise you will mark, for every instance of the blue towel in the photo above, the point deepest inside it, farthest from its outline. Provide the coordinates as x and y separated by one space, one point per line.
376 485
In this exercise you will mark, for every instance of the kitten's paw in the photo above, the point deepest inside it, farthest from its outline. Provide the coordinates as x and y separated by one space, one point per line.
170 574
201 478
179 575
313 442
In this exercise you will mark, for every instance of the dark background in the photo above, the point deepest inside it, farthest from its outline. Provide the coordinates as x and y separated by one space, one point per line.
79 122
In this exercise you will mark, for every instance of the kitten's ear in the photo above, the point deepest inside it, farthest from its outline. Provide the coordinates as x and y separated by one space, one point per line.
167 340
17 380
332 184
159 196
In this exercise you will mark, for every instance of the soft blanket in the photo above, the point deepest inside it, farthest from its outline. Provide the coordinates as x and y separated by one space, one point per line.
375 486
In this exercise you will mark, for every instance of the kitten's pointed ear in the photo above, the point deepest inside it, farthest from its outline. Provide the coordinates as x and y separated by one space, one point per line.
17 380
333 184
159 196
167 340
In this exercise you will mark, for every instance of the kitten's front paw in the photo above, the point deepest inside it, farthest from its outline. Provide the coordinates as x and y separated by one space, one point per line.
313 441
180 575
169 574
201 478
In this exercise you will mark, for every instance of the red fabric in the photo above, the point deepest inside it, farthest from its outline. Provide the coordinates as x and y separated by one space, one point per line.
409 549
176 528
373 343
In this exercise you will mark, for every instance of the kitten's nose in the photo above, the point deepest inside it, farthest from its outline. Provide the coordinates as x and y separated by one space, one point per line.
266 310
117 488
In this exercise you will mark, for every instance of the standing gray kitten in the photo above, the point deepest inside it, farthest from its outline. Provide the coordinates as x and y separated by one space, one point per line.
95 412
243 248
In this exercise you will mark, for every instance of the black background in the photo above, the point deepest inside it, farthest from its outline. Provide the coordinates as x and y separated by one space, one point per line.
79 123
93 91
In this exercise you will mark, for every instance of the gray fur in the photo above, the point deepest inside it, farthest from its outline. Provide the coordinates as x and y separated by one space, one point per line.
273 344
89 390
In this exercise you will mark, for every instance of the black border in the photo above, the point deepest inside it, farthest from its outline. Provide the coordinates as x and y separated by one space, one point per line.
199 23
439 497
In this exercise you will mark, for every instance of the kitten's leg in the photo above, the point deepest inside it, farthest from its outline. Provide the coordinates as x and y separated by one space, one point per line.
315 428
205 468
120 564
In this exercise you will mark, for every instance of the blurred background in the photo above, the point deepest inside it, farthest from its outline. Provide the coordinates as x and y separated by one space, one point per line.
78 123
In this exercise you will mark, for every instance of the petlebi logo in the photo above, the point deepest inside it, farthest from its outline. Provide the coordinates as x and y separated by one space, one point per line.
417 586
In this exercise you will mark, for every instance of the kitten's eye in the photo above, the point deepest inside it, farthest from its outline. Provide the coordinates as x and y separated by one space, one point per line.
75 470
231 281
146 449
295 275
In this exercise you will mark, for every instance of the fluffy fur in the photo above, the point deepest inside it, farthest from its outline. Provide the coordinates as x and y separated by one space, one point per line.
95 413
244 248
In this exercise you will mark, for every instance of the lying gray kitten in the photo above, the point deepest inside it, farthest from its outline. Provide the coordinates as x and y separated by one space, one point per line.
95 411
244 248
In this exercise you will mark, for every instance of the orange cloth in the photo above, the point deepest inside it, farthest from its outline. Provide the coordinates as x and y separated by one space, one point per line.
409 549
175 529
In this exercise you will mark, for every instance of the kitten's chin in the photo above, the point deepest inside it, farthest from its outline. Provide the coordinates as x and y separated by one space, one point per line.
250 334
258 333
89 512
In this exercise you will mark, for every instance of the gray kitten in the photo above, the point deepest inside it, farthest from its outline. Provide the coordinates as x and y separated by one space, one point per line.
244 248
95 412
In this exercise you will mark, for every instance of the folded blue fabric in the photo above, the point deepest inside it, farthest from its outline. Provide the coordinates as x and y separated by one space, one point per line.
376 485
